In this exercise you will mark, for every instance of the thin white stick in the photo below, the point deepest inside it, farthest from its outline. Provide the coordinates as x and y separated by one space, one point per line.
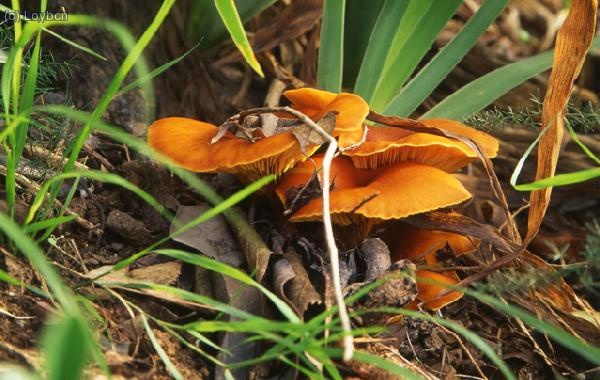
334 254
332 249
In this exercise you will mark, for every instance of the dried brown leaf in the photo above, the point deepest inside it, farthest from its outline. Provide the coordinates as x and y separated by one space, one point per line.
164 273
572 43
212 238
307 136
293 284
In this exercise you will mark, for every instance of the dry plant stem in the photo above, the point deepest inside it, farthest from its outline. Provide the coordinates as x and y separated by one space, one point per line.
363 138
327 224
55 160
465 349
34 187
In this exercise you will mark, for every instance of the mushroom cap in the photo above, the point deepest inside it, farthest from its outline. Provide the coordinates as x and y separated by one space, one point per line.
351 109
392 192
388 145
421 245
431 287
416 244
188 143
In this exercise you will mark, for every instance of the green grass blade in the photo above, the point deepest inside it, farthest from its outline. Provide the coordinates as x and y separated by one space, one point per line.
379 362
66 203
560 180
233 23
399 67
184 295
583 147
480 93
28 95
38 260
388 24
5 277
360 19
428 78
227 270
74 44
128 63
472 337
160 351
156 72
97 176
204 22
66 347
331 49
51 223
567 340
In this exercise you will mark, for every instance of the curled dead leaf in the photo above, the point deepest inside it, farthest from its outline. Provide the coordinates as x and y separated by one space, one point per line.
573 40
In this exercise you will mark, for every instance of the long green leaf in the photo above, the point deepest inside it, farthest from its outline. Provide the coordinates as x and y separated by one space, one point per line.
233 23
97 176
161 352
390 22
428 78
51 223
203 21
156 72
331 49
560 180
400 66
37 258
569 341
378 362
361 17
232 272
480 93
472 337
67 347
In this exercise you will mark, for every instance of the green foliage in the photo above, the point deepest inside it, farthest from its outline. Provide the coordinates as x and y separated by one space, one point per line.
67 347
204 23
331 51
210 20
557 179
399 34
584 117
589 274
233 23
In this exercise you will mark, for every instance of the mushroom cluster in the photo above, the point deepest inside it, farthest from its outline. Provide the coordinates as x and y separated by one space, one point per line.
383 174
391 174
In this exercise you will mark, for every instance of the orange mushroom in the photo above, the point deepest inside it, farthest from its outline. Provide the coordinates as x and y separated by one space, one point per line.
351 110
388 145
416 244
188 143
364 198
432 288
423 246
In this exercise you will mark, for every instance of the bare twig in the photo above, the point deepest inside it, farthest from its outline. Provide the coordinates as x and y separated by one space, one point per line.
363 138
52 159
465 349
327 224
34 187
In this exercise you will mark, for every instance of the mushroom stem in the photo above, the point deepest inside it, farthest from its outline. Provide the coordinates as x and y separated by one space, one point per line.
332 249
